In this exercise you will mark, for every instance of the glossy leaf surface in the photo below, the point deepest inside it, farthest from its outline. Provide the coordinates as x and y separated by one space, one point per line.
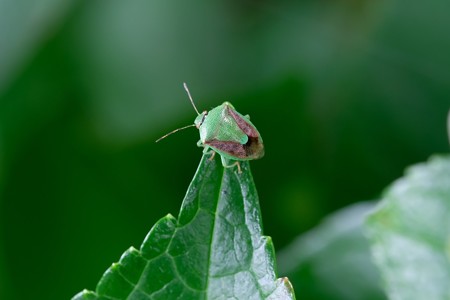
215 250
410 233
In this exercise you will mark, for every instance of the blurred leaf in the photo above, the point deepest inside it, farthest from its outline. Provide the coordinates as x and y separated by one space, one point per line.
215 249
410 233
333 261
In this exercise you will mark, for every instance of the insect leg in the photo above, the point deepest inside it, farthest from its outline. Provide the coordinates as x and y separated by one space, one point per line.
212 155
226 165
206 150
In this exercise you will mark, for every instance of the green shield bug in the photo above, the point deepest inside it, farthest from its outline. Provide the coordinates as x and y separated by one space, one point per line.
226 132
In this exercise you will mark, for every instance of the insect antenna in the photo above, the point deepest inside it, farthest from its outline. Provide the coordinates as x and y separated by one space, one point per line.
173 131
190 97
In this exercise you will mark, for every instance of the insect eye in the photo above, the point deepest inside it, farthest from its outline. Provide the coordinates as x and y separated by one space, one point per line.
205 113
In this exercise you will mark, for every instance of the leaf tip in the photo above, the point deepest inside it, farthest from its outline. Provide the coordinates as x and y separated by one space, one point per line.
159 237
84 295
284 290
170 217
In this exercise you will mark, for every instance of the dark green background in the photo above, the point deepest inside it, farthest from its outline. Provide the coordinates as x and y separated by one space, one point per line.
346 94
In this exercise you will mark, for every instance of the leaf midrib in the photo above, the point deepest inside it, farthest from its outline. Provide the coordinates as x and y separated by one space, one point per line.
208 276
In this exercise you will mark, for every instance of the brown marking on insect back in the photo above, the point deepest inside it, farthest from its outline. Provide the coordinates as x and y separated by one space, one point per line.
235 149
253 149
242 123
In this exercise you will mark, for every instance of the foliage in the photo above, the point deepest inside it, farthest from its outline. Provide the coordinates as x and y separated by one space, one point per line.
345 93
410 233
333 261
215 250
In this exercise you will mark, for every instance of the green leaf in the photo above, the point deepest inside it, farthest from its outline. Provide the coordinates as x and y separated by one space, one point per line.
215 250
332 261
410 233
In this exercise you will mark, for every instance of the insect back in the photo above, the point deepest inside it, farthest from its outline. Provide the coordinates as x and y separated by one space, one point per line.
228 133
232 135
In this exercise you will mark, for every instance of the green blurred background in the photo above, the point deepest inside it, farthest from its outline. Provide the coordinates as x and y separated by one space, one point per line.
346 94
